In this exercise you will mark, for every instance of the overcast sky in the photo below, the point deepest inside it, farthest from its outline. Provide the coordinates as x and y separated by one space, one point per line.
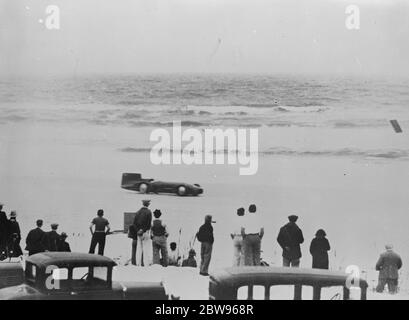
272 36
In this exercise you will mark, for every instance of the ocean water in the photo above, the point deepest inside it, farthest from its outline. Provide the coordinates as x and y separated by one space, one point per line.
327 153
212 100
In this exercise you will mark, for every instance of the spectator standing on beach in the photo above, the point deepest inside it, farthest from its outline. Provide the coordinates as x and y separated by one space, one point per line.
289 238
143 223
52 238
173 255
14 236
4 233
99 228
190 261
132 235
252 233
388 266
238 239
62 244
319 248
159 235
35 241
205 236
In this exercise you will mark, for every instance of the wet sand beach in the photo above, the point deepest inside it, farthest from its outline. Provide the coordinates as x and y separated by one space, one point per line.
64 173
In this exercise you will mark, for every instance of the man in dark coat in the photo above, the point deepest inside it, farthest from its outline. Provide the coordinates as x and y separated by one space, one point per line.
35 241
289 238
4 233
14 236
63 245
319 250
159 234
52 238
132 235
388 266
142 225
205 236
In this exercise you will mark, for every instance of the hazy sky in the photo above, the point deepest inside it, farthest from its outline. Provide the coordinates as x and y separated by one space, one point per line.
272 36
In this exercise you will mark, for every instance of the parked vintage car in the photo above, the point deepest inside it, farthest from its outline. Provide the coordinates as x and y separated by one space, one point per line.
225 284
11 272
66 275
135 182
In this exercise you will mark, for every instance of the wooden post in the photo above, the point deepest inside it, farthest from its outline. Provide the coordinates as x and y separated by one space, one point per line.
346 293
316 294
297 292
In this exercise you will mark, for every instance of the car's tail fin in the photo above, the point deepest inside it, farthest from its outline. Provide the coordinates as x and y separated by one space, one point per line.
128 179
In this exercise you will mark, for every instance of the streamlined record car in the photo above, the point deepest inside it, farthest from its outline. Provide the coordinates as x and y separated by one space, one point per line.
135 182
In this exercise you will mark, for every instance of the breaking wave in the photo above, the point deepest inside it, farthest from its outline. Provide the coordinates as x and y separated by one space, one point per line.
346 152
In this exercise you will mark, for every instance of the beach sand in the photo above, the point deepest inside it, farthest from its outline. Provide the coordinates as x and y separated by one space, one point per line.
64 172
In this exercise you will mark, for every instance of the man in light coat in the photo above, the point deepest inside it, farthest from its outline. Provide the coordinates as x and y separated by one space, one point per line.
252 232
237 238
142 224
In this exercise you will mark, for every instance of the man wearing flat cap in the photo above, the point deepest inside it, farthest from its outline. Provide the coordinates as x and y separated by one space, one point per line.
142 225
52 238
388 266
289 238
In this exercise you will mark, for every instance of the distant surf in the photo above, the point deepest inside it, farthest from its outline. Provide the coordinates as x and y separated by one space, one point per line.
345 152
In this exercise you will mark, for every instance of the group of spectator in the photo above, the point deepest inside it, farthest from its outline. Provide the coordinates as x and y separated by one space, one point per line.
10 235
37 240
149 239
149 243
248 232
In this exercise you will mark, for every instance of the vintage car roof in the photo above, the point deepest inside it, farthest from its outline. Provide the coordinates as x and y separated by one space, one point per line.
262 275
61 259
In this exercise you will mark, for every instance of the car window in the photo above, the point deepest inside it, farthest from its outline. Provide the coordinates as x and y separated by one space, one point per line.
80 273
31 272
258 293
57 278
282 292
242 293
89 278
101 273
277 292
60 274
332 293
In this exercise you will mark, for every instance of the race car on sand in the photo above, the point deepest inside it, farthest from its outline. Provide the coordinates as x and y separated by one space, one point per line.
135 182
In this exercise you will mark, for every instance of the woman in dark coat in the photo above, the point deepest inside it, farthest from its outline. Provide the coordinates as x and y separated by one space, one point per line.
14 236
319 250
